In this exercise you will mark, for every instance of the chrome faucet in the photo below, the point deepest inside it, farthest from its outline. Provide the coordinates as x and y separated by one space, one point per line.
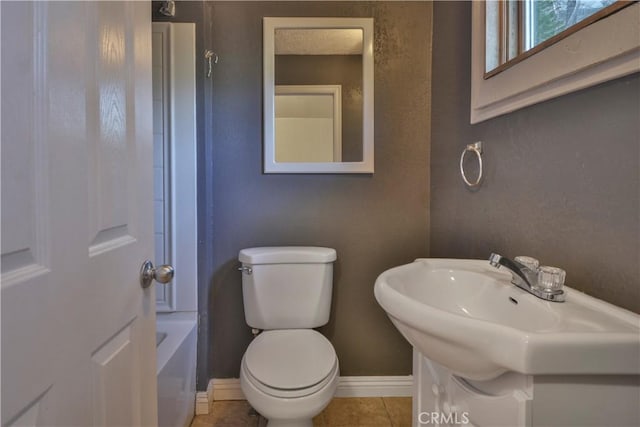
526 278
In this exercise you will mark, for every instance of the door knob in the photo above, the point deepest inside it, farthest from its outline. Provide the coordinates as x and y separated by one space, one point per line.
162 274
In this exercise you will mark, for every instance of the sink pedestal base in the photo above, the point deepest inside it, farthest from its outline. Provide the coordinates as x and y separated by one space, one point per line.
442 399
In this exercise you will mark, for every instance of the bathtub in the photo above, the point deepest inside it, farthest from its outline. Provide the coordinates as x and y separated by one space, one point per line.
176 368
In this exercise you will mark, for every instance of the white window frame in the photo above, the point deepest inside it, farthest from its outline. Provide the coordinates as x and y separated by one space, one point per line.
602 51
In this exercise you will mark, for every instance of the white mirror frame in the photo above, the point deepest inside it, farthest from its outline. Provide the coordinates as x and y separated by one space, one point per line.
602 51
270 164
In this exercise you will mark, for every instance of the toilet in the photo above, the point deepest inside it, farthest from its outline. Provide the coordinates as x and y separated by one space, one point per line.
289 372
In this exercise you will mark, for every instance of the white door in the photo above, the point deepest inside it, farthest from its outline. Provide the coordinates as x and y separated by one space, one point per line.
78 342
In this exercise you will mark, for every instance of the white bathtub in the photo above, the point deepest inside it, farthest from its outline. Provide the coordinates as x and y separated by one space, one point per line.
176 368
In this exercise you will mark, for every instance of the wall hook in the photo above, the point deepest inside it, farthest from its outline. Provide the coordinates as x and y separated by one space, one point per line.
168 8
212 58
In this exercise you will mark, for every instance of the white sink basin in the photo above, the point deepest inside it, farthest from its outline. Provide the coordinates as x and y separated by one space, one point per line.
467 316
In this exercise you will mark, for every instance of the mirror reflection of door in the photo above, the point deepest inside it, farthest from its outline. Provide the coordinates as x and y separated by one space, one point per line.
306 124
308 121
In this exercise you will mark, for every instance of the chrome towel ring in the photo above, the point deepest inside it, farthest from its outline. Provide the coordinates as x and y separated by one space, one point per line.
477 149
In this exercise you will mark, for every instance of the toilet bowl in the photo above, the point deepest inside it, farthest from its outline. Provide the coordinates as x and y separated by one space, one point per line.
289 372
289 376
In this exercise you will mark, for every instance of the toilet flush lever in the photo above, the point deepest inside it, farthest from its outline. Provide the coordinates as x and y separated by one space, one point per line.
245 269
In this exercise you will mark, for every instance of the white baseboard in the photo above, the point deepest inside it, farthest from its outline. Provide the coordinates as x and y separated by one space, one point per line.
204 399
378 386
227 389
382 386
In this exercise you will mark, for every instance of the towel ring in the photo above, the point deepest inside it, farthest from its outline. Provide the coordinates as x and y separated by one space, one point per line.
477 149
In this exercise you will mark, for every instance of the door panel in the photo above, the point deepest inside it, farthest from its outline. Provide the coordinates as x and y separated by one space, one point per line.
78 341
112 139
24 199
25 234
115 383
33 413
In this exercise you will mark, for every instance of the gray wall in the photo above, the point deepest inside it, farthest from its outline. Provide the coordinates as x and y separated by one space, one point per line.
562 180
373 221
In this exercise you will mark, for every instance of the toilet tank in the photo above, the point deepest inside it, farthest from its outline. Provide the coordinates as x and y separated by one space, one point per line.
287 287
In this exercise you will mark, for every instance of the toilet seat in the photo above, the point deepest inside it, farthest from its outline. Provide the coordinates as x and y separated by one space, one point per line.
290 362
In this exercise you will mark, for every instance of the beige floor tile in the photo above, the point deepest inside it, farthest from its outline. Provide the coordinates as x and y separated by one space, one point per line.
399 410
341 412
197 422
227 413
318 420
352 412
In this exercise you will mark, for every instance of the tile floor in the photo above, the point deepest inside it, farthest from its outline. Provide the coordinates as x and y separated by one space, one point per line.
341 412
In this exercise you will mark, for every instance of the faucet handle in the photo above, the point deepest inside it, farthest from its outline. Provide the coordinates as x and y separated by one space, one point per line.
494 260
551 279
529 262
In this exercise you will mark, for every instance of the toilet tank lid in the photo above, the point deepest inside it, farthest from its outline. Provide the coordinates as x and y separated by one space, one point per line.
287 255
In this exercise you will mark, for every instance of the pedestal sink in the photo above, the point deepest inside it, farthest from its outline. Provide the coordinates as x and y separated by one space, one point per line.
468 317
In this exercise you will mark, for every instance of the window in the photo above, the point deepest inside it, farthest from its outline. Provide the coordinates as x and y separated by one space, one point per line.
518 29
546 18
524 53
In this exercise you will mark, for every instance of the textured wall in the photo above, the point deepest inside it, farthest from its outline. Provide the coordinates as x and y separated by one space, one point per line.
562 181
374 221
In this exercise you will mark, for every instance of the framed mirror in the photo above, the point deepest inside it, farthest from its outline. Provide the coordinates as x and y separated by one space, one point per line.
318 95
